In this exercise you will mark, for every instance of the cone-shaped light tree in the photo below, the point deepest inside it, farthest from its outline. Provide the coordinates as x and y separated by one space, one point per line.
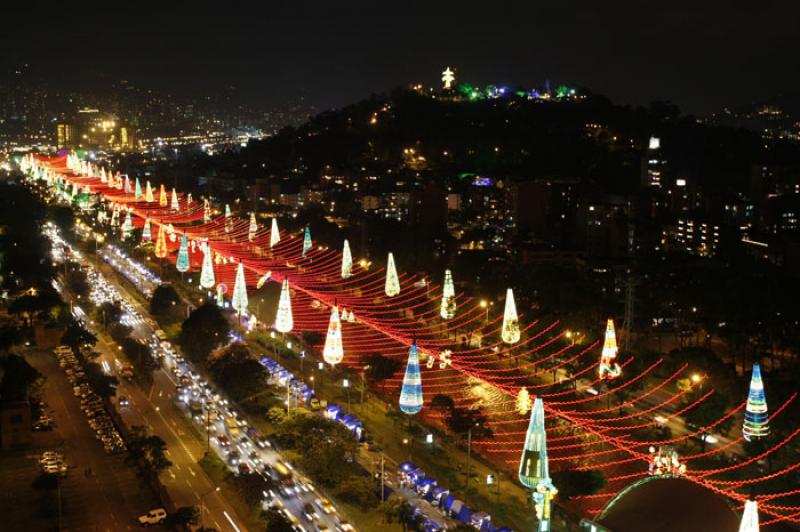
182 262
347 260
411 399
306 241
137 191
174 205
392 287
756 417
127 225
251 232
228 218
148 195
239 298
609 368
207 277
333 352
749 517
162 196
510 331
447 309
206 211
274 234
147 233
534 470
161 243
283 319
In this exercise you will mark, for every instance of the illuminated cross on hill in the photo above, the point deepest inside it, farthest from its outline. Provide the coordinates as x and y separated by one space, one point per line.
448 77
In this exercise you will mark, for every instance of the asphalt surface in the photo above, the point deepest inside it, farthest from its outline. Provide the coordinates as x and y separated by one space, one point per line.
112 497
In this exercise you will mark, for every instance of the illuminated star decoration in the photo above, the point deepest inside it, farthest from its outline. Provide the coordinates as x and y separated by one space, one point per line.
448 77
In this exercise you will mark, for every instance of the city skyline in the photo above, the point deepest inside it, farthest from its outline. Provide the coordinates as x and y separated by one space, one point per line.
694 56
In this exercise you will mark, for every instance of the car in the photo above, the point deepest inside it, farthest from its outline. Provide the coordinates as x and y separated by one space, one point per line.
234 457
223 441
243 468
153 517
263 442
122 401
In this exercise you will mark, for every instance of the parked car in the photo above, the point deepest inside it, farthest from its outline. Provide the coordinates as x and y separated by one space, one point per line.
153 517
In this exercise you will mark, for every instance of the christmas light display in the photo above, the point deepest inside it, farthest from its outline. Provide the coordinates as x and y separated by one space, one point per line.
333 352
756 422
274 234
161 243
162 196
447 309
411 399
347 261
146 231
239 297
207 278
307 245
251 232
221 289
534 470
137 190
510 331
148 195
283 319
523 402
206 211
749 521
228 219
182 262
174 205
609 369
482 360
392 287
127 225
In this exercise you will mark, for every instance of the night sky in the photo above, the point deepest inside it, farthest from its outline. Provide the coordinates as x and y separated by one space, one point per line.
701 54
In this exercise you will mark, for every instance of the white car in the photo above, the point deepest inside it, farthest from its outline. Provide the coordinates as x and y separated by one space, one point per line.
153 517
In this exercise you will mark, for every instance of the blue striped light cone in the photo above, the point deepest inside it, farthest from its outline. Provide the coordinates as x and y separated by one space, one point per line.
411 392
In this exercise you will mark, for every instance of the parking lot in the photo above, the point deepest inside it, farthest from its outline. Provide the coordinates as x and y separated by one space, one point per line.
99 490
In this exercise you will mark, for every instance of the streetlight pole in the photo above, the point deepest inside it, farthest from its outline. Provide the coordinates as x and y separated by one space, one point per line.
203 507
469 455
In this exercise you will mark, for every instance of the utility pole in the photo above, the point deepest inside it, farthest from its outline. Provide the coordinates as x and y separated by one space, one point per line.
383 479
469 455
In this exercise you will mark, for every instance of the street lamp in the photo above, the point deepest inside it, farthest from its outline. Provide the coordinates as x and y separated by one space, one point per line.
485 305
469 453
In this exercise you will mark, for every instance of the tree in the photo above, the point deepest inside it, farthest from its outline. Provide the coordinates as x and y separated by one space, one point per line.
382 367
9 336
204 330
164 299
445 402
102 384
76 336
572 483
276 521
251 487
237 372
109 313
147 450
119 331
18 376
141 357
706 413
184 516
359 490
461 420
75 280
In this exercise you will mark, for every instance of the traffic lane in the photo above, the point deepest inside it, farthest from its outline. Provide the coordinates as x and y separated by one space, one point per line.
112 485
185 481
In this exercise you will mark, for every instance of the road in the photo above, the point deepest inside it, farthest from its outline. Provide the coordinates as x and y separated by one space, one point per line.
112 497
185 482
